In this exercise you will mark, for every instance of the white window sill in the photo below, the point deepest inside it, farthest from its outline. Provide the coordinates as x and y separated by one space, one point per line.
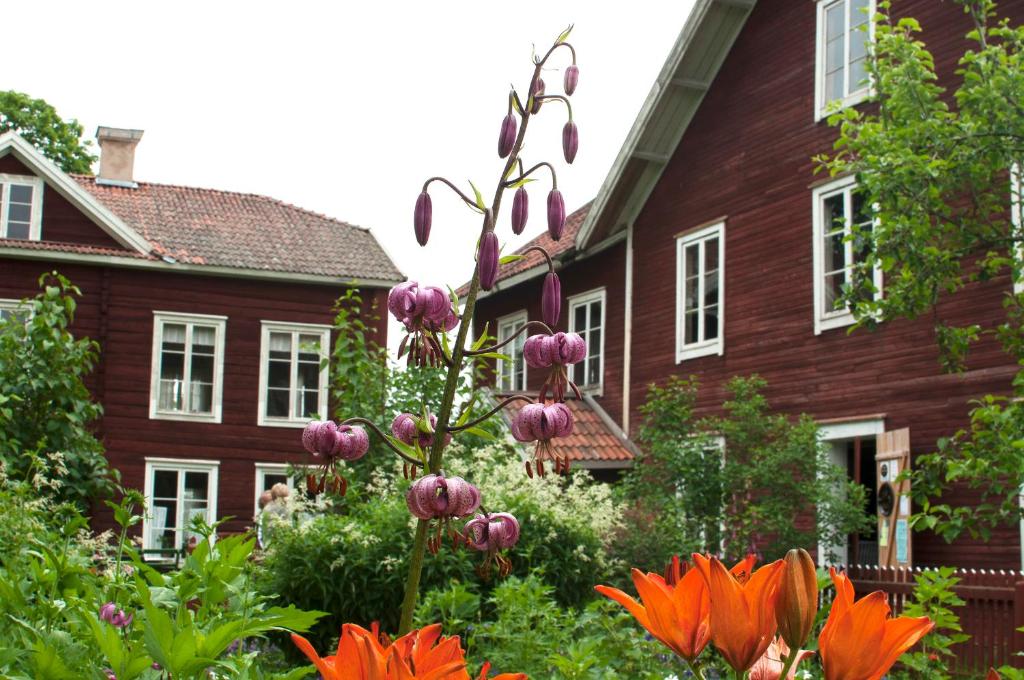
837 105
185 417
695 351
271 422
833 321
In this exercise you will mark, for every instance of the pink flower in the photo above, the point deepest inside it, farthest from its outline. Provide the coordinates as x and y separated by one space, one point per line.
555 351
114 616
333 443
422 307
438 497
491 533
769 666
542 423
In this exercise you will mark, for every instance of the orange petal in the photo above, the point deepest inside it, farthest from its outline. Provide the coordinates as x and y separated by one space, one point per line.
853 651
631 605
326 670
899 635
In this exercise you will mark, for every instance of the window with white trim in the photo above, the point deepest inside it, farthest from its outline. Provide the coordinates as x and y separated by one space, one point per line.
843 35
512 374
188 366
14 310
21 207
700 284
1017 220
586 317
267 475
177 491
293 373
838 253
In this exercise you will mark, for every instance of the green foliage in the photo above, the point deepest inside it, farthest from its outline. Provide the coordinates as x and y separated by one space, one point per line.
353 565
773 471
38 122
938 170
934 597
202 621
46 411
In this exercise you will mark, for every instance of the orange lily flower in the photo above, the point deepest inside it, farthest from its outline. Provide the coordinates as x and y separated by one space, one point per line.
742 614
769 666
859 640
677 614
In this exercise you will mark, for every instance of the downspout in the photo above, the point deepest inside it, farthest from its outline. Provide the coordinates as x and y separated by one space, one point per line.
627 341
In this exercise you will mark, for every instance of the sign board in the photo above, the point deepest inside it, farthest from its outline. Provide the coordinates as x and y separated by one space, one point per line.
892 456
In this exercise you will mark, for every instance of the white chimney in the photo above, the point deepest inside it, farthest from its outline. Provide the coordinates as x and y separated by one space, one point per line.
117 156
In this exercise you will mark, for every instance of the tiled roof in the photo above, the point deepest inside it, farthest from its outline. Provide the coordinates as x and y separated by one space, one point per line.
244 231
79 248
554 248
594 438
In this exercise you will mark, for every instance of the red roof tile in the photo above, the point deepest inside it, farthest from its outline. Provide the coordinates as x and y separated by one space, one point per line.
594 436
79 248
245 231
554 248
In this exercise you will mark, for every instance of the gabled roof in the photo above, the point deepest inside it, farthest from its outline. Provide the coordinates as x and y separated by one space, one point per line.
691 67
596 441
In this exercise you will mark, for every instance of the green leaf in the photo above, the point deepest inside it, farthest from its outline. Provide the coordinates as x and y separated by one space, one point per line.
521 182
482 339
511 258
479 197
564 35
483 434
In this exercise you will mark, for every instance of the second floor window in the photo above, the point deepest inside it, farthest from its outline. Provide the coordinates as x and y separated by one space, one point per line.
188 365
20 207
512 374
700 262
293 373
586 317
844 32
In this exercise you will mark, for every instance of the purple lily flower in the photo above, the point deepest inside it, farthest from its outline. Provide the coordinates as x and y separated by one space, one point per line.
555 351
332 443
405 428
107 612
423 310
490 533
542 423
440 497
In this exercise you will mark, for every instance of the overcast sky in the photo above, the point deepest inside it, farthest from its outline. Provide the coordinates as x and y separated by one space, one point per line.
345 108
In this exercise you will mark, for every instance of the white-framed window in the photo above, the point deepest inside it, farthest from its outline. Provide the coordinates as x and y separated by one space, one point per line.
844 32
21 207
188 367
838 207
587 317
512 374
267 475
293 373
1017 220
176 492
700 292
14 309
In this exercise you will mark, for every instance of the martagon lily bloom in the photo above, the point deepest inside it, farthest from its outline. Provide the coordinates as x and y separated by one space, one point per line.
742 613
860 641
676 612
541 423
555 352
425 311
420 655
490 533
332 443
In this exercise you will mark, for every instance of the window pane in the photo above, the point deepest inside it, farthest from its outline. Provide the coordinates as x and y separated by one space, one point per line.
834 213
19 213
308 403
834 56
272 478
281 345
834 20
309 376
692 260
17 230
833 291
593 372
690 293
834 86
711 254
165 483
171 396
711 322
835 253
579 318
163 524
277 403
202 368
711 288
858 74
174 337
595 314
690 327
859 12
197 485
309 348
201 398
21 193
203 339
279 374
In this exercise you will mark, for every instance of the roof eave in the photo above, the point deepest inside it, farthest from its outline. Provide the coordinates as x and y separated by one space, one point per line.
686 76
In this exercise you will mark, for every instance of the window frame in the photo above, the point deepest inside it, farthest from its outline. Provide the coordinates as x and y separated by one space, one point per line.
822 107
701 348
823 320
262 469
35 229
513 318
586 298
160 318
1017 222
296 329
181 466
15 306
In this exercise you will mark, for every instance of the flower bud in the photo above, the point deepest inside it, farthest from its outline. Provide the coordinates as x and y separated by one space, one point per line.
551 300
488 260
538 90
572 78
520 210
507 138
797 601
422 218
570 141
556 214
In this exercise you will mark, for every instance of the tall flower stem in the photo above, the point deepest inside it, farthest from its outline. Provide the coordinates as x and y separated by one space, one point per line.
444 412
790 660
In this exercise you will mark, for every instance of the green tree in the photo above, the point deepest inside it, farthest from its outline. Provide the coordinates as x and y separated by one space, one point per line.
939 168
46 411
39 123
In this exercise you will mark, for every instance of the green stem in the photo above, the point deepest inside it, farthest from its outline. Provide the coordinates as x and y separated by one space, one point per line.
695 669
790 660
444 412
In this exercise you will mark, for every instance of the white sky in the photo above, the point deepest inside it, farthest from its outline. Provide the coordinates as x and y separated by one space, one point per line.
345 108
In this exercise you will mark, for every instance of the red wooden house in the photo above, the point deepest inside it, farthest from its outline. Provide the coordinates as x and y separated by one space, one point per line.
712 249
212 310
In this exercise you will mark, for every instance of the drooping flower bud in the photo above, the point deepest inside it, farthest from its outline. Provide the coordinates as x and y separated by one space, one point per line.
406 429
507 138
520 210
556 214
434 497
551 299
797 601
422 218
488 260
538 90
572 78
492 532
570 141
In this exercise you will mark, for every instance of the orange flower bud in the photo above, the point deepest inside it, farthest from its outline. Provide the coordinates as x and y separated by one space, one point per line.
798 598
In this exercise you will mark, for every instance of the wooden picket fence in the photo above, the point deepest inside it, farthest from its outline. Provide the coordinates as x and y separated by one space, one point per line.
993 610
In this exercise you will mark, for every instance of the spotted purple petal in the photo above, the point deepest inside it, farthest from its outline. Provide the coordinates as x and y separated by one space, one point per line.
353 442
535 352
492 532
